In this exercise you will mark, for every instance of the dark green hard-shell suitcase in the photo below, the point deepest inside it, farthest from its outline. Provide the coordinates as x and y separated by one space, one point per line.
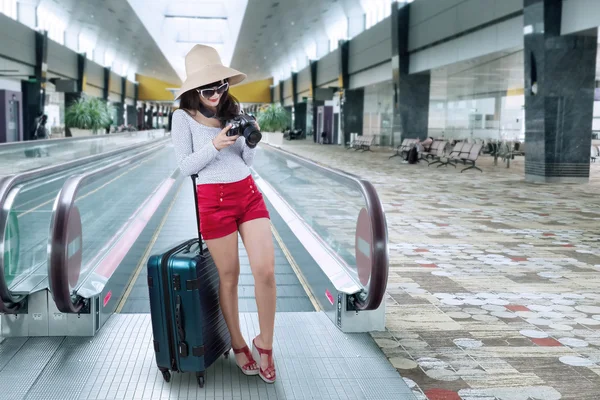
189 330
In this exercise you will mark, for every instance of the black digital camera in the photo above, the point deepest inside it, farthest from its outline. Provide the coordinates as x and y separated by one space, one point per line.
243 125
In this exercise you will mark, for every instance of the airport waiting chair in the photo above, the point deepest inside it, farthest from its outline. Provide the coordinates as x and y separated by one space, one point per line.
472 157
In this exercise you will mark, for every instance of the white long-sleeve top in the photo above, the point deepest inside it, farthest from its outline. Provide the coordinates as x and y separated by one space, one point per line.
196 153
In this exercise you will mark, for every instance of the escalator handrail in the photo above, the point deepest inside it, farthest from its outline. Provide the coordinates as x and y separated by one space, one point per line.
374 206
42 142
58 279
8 302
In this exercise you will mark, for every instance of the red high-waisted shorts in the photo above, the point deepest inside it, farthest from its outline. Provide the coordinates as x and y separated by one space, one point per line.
223 207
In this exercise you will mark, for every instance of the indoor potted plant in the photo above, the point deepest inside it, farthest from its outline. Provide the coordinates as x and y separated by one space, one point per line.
87 116
273 119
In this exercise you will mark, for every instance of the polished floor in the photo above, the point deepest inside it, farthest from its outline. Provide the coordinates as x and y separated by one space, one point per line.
494 289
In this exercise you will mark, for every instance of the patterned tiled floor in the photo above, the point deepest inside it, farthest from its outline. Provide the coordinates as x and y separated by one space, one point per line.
494 288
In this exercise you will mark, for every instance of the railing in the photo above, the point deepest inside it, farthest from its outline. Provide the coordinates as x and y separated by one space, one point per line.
342 209
19 157
82 242
9 237
23 144
81 263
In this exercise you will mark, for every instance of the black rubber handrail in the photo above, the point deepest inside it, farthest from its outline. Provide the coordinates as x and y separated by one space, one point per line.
10 303
58 278
379 249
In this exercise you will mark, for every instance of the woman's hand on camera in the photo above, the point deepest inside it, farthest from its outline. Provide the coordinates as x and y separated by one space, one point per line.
222 140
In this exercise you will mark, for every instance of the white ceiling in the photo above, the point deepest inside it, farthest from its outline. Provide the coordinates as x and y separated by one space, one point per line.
112 25
276 34
177 25
262 38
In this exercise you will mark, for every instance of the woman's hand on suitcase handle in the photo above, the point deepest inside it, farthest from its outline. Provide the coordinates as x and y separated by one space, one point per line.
222 140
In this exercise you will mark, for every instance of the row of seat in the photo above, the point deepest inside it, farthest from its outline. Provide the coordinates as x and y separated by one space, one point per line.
466 152
363 142
594 152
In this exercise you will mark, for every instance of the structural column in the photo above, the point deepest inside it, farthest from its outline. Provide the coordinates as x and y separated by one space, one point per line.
352 101
150 116
138 112
411 91
121 105
106 89
281 92
314 64
559 96
71 97
299 108
34 89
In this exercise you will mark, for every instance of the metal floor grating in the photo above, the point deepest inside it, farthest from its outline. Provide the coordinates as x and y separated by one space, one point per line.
314 361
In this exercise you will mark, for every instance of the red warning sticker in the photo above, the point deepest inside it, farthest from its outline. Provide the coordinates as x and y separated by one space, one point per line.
107 298
329 296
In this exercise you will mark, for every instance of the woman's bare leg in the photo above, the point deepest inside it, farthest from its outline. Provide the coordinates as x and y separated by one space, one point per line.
224 252
258 241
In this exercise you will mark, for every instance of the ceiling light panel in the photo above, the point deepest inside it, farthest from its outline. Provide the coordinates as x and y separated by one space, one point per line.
214 9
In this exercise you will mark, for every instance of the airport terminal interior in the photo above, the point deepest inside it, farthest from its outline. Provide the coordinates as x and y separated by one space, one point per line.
429 168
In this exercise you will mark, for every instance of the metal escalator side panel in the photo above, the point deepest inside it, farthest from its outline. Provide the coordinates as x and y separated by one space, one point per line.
9 232
65 264
379 251
15 302
58 241
371 297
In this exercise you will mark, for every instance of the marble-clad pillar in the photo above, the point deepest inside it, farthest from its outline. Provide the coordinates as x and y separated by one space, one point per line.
411 91
352 100
559 96
34 88
121 106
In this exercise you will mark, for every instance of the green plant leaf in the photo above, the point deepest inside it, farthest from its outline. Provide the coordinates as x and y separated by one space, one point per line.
274 118
88 113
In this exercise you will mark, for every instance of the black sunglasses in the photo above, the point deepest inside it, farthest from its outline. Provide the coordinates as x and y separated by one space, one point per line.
208 93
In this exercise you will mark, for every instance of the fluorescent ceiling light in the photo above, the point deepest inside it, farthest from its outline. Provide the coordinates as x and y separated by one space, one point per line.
195 17
201 42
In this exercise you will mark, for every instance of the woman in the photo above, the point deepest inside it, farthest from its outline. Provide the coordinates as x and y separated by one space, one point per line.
228 199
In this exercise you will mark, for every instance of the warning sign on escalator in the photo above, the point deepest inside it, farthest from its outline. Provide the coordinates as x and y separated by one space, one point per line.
363 246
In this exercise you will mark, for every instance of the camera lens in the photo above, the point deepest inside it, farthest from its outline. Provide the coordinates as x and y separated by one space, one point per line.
252 136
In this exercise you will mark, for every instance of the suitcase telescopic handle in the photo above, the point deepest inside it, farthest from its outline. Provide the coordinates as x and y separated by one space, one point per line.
197 212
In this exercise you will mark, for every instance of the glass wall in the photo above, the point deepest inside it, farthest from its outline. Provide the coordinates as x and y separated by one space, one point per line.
481 99
54 108
378 112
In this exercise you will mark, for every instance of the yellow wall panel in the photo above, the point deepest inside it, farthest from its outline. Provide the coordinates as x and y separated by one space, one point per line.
515 92
253 92
152 89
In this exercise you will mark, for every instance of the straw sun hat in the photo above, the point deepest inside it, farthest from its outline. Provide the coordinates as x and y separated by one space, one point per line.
203 66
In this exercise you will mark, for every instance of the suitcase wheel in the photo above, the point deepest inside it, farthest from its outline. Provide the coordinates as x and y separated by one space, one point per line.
166 375
200 377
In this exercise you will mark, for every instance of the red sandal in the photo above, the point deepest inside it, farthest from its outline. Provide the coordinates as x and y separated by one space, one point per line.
247 368
256 353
